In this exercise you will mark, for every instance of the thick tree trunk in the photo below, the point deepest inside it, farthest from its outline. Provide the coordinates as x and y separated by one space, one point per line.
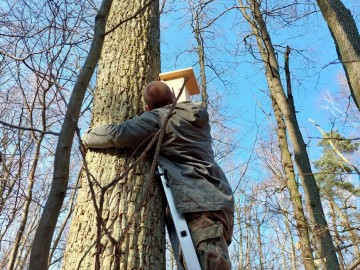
320 229
347 41
130 59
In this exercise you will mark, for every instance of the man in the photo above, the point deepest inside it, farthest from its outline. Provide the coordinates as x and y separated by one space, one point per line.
199 187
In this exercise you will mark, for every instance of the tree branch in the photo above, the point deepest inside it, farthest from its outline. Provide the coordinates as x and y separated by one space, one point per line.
30 129
129 18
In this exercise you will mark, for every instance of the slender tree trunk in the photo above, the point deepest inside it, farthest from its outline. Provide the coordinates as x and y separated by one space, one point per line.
320 229
42 241
25 249
7 182
337 236
347 41
283 261
108 236
248 240
64 223
293 250
302 225
241 249
26 207
201 57
259 243
355 238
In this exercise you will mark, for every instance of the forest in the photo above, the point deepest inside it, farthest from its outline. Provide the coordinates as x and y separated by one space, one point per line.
280 80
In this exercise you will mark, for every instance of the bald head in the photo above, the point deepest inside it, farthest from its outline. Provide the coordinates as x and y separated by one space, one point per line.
157 94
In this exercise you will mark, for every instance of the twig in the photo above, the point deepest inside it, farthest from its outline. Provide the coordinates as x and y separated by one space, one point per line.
30 129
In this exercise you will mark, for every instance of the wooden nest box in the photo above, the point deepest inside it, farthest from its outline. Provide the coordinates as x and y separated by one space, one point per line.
175 80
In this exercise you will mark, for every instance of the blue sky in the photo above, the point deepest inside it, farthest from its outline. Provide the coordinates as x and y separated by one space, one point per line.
244 96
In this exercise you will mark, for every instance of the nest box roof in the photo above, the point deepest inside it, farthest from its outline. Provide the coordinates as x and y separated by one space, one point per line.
191 84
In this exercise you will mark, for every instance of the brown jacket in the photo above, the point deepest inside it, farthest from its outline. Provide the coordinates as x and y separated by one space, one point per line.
196 181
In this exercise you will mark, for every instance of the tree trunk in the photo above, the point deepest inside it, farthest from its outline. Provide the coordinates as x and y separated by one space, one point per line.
247 237
293 250
337 236
320 229
259 243
42 241
283 261
108 236
346 224
302 225
26 208
201 55
241 249
25 249
347 41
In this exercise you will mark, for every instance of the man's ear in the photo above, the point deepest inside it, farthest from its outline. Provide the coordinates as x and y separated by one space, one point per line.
148 107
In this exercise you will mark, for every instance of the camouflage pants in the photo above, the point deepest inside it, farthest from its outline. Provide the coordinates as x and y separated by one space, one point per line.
211 233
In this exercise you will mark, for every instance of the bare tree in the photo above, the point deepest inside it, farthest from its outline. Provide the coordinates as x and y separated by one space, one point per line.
325 246
42 241
285 175
197 9
347 41
39 43
118 221
342 112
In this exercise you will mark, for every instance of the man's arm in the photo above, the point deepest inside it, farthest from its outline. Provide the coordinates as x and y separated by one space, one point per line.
129 134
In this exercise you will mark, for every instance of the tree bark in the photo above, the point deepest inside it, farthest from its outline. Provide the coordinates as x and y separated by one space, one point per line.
108 236
347 41
302 225
320 229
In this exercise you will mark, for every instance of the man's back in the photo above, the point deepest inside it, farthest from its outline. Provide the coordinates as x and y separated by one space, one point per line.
198 185
197 182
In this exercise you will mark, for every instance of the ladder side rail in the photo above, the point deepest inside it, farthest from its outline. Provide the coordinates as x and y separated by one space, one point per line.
181 227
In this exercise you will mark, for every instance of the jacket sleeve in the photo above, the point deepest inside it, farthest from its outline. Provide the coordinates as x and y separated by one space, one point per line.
131 133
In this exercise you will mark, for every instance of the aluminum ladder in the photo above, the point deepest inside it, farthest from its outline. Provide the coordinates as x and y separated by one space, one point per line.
178 229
